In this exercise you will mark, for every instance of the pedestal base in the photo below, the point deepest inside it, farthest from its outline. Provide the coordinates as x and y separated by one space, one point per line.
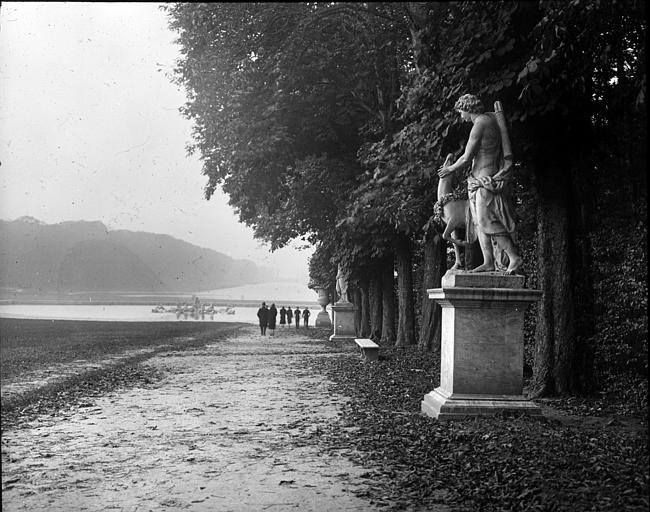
481 370
439 405
344 330
323 319
341 337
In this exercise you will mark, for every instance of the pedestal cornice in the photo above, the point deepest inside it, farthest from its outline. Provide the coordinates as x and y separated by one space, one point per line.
342 306
483 297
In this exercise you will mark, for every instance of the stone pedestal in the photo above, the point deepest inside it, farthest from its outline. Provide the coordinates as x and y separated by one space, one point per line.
343 313
481 369
323 319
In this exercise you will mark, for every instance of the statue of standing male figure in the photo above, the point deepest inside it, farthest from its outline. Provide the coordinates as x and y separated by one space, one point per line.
342 285
488 185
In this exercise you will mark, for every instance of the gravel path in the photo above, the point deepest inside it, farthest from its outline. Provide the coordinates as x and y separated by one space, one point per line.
223 431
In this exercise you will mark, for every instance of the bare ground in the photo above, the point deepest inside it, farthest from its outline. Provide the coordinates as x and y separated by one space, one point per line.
221 431
246 423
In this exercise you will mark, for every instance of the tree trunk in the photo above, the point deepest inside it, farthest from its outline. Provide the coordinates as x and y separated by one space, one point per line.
375 307
582 187
406 313
555 335
356 299
388 301
365 309
583 285
435 259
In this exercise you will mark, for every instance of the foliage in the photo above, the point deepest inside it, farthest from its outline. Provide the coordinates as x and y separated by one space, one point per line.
327 122
513 463
322 272
591 75
266 95
525 213
621 286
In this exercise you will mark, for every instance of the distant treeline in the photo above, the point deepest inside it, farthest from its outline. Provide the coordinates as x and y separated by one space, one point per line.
85 256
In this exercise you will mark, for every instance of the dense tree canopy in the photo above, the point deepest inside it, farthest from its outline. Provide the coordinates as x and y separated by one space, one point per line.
327 122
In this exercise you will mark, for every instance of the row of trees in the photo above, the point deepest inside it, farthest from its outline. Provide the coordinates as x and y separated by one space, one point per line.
326 122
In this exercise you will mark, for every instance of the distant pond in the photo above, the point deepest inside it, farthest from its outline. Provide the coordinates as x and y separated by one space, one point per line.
122 313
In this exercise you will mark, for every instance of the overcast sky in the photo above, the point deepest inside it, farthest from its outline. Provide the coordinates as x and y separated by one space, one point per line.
90 128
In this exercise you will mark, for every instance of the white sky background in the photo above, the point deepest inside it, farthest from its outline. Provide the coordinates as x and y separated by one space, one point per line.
90 129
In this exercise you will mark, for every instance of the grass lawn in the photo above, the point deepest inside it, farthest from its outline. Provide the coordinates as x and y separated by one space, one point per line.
31 345
30 348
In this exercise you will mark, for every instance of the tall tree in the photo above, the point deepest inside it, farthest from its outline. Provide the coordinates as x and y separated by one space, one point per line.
332 118
272 124
435 256
406 319
565 351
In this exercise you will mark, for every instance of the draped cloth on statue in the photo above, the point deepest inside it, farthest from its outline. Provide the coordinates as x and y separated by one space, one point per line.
489 206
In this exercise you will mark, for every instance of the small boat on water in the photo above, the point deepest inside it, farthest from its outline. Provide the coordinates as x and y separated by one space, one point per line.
195 309
227 310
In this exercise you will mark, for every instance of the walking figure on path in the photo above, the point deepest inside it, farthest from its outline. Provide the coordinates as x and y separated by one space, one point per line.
263 315
305 317
296 315
289 315
273 313
283 317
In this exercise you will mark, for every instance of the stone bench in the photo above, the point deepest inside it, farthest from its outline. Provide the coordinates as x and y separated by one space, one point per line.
369 349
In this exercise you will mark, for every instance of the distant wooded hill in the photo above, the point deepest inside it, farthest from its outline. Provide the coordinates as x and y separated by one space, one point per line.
86 256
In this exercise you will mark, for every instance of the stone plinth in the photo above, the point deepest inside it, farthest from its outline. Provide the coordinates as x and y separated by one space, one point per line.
323 319
343 313
481 369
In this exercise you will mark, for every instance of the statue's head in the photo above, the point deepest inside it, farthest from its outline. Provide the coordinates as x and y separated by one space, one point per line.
470 104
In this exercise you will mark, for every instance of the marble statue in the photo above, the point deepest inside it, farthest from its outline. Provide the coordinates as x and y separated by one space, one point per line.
342 285
488 185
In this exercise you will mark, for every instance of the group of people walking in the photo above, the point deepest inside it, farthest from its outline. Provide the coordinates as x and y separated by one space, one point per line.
268 316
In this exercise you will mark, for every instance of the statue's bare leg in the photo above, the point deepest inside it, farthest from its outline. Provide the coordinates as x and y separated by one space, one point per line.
447 235
485 242
458 264
515 261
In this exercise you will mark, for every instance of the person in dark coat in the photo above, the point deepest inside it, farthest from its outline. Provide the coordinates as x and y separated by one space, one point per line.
273 313
263 315
296 316
305 317
289 315
283 317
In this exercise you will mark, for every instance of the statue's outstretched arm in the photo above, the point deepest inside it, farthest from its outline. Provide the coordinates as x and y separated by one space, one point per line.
472 147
